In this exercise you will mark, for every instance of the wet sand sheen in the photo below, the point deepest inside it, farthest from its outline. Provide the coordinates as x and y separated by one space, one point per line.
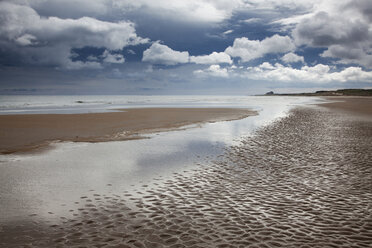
304 181
27 132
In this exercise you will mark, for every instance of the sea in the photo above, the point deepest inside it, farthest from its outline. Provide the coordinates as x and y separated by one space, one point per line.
54 180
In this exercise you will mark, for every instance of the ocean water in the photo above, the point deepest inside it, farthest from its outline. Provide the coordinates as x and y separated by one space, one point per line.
54 180
89 104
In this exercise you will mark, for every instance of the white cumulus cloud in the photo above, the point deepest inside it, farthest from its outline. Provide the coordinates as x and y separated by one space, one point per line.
292 58
252 49
213 58
162 54
112 58
213 70
310 74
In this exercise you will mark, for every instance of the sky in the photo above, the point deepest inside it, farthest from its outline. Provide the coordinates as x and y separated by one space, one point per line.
219 47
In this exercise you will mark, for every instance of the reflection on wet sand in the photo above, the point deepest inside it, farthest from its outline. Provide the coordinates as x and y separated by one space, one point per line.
57 178
304 181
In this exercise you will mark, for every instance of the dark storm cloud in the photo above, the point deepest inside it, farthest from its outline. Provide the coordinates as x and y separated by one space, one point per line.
323 30
364 6
343 28
49 41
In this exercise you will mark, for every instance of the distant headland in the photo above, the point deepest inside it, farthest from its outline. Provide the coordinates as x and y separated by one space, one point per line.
341 92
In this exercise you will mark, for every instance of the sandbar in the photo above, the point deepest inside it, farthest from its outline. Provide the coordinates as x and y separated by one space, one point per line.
30 132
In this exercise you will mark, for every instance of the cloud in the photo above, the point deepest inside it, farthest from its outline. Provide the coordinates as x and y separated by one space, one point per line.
362 6
204 11
112 58
316 74
349 55
49 41
41 35
191 11
343 28
78 65
213 58
252 49
116 73
130 51
214 71
18 21
292 58
162 54
283 4
324 30
26 40
196 11
252 20
69 8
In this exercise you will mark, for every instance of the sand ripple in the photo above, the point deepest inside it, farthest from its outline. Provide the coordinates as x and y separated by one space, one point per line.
305 181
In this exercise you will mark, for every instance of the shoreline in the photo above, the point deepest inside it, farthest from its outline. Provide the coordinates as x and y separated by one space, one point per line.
34 132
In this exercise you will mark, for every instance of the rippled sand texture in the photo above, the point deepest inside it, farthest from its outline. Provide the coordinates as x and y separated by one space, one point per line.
305 181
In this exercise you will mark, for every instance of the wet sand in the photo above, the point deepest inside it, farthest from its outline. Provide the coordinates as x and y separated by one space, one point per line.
355 105
19 133
303 181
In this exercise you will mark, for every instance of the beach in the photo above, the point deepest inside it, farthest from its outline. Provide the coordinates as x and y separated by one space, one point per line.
360 106
185 124
27 132
304 180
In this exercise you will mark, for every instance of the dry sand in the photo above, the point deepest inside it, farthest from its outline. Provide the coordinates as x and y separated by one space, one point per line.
304 181
27 132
